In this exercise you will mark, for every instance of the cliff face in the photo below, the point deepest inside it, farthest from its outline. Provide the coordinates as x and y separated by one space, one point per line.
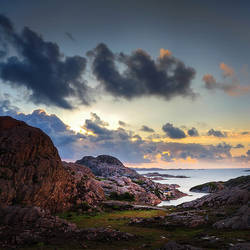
32 174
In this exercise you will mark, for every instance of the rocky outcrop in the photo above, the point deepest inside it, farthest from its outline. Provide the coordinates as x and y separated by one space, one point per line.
172 245
89 189
32 225
188 219
106 166
209 187
236 192
116 180
240 220
31 172
156 174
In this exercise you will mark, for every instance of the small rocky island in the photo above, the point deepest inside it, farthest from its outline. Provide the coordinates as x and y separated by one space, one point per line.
163 176
98 203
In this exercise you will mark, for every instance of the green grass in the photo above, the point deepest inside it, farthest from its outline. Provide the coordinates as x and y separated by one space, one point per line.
148 236
152 237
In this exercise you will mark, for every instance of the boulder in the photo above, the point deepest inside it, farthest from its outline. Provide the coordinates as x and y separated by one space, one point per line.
31 172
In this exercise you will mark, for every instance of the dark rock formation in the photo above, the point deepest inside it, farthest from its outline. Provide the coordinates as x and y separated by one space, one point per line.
188 219
156 174
236 192
117 179
31 225
240 220
209 187
89 189
172 245
31 172
106 166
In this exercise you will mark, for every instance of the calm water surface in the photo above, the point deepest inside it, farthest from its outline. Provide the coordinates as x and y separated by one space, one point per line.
196 177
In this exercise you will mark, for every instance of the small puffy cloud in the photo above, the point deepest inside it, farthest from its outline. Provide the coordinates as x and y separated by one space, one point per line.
216 133
173 132
193 132
122 124
145 128
245 133
96 119
165 52
239 146
227 71
210 82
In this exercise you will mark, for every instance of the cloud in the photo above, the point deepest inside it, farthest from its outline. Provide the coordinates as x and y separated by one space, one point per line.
216 133
70 36
245 133
38 65
122 124
173 132
239 146
227 71
231 87
164 77
193 132
145 128
128 146
195 151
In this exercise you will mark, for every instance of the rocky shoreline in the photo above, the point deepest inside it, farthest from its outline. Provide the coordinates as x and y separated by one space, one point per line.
47 202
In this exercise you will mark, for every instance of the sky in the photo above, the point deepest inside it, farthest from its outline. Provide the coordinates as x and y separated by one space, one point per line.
153 83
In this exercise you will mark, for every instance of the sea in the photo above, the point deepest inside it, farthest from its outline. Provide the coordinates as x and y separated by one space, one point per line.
196 177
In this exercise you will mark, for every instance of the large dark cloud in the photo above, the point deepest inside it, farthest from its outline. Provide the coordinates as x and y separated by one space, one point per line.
164 77
216 133
193 132
39 66
173 132
145 128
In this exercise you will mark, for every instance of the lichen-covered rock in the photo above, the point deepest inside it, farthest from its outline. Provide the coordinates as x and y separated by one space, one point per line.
32 225
31 172
172 245
209 187
106 166
236 192
240 220
89 189
116 178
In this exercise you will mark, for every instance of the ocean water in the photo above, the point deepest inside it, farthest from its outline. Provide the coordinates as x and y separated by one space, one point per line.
197 177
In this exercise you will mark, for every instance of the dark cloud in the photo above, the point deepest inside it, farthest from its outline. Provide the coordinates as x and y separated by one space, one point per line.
216 133
145 128
239 146
97 120
193 132
39 66
70 36
245 133
173 132
122 124
164 77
